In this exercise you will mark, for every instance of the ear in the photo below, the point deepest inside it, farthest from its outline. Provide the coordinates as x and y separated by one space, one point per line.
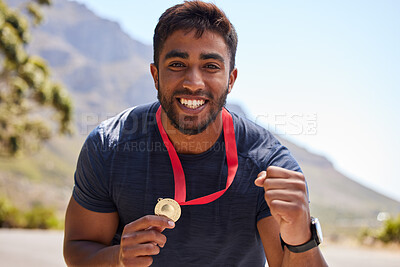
154 73
232 79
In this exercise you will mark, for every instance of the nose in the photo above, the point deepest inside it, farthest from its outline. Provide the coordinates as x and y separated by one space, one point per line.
193 79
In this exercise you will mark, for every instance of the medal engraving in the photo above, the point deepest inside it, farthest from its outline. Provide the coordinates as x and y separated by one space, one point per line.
169 208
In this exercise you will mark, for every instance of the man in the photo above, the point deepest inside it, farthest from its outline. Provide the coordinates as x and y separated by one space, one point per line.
193 152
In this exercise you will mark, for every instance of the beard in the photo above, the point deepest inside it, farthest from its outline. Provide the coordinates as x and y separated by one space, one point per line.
185 123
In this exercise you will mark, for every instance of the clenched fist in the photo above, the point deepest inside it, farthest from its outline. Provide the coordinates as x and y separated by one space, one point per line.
286 196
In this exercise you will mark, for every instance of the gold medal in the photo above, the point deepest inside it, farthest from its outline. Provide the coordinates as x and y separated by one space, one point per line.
169 208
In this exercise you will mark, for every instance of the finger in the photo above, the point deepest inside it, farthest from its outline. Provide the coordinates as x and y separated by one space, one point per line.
142 237
159 229
278 172
139 250
144 261
285 183
259 181
138 261
148 221
294 196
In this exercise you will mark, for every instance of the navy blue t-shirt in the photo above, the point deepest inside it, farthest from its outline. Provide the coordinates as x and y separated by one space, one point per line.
124 167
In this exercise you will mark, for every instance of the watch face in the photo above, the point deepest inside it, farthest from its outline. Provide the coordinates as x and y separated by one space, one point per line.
318 229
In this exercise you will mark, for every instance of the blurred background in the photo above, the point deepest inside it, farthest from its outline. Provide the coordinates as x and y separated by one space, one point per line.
322 75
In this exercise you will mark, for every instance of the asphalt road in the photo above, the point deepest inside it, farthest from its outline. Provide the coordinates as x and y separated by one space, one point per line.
36 248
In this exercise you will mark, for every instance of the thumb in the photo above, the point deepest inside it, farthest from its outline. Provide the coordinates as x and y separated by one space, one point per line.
259 181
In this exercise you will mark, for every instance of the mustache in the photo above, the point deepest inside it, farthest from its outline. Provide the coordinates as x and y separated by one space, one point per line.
199 92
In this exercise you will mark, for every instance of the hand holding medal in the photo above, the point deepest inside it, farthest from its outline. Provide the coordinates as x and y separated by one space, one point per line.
142 239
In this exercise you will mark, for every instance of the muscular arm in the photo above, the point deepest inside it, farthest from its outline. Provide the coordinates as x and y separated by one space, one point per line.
286 196
269 233
88 236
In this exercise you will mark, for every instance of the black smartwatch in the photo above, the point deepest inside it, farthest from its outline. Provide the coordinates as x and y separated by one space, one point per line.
316 239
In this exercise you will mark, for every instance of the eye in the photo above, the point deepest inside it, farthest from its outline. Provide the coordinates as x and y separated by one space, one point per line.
176 65
212 66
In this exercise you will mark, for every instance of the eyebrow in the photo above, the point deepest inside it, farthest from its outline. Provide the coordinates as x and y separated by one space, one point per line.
176 53
215 56
203 56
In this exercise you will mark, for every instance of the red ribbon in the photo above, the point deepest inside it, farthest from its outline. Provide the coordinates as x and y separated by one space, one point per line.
179 175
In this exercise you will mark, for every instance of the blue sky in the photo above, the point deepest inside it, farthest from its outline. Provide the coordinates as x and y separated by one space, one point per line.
325 74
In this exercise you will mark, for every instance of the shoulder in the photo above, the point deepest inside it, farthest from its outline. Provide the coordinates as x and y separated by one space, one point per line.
250 136
260 145
130 124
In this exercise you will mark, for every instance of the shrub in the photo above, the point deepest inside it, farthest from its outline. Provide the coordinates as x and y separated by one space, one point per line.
38 217
390 231
42 218
10 216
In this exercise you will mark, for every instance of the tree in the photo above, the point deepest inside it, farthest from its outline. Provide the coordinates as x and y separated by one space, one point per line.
32 106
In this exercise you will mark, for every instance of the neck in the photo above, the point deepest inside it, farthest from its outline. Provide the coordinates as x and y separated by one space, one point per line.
192 144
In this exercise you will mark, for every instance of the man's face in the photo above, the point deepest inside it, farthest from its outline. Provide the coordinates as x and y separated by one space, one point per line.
193 79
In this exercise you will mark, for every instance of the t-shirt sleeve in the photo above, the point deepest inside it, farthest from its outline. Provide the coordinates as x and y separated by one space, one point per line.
281 157
91 188
262 207
284 159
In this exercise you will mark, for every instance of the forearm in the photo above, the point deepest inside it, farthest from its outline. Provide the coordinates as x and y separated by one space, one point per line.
87 253
310 258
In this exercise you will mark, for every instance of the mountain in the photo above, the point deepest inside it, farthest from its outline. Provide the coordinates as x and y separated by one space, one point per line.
336 198
106 71
93 57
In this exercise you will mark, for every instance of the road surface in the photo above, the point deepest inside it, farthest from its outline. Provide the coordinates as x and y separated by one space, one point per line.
38 248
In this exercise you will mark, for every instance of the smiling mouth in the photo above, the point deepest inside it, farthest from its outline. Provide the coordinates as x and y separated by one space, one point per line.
192 103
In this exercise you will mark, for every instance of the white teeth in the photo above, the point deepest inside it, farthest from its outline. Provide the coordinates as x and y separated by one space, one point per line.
193 104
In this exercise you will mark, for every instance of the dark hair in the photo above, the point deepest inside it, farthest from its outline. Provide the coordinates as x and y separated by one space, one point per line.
196 15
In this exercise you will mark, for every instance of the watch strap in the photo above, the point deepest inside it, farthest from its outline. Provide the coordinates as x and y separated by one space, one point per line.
312 243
